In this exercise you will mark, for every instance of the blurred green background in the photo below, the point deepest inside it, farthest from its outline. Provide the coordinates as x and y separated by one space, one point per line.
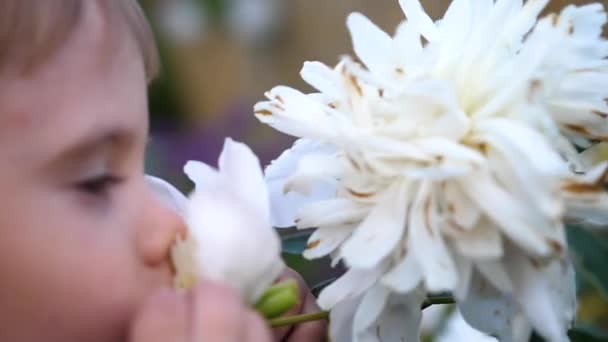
220 56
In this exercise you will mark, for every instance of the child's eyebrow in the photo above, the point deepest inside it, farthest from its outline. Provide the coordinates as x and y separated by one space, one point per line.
116 136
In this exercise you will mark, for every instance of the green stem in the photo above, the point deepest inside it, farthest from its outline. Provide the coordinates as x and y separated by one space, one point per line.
316 316
291 320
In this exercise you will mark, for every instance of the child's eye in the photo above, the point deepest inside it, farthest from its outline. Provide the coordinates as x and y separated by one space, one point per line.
99 185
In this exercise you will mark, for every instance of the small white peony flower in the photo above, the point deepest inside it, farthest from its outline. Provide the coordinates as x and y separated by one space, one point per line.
451 160
230 238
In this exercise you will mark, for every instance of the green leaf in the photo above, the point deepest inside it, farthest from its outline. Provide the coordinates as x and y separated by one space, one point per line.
589 254
294 241
587 334
579 334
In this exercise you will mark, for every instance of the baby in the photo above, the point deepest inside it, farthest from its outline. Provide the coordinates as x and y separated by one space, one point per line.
84 243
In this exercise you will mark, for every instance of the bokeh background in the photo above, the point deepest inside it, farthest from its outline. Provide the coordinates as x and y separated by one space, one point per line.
220 56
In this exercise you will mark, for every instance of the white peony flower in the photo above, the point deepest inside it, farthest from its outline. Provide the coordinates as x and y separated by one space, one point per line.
454 157
283 199
230 238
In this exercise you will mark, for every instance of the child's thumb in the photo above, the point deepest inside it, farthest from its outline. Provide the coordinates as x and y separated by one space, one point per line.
163 318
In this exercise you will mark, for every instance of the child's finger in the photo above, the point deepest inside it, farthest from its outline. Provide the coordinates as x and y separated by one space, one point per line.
280 333
162 318
217 314
256 328
309 331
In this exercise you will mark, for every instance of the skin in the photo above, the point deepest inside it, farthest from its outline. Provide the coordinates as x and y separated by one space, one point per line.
78 260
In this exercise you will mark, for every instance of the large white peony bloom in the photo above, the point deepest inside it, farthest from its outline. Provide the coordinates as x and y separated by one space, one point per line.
451 154
230 238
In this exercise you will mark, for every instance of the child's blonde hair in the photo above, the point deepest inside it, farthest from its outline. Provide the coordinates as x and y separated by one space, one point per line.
32 30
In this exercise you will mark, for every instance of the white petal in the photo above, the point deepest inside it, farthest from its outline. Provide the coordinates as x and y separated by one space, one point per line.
405 276
239 164
427 245
350 285
295 113
453 125
168 194
400 320
445 170
312 169
322 78
420 20
341 320
442 147
496 274
457 329
460 207
286 164
370 309
202 175
506 211
514 79
455 23
546 294
325 240
464 266
524 141
286 205
451 160
383 146
221 223
372 45
454 31
589 215
496 314
481 242
588 20
331 212
381 231
407 42
523 21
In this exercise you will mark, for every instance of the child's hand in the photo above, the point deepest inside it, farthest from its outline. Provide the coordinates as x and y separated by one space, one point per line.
210 312
305 332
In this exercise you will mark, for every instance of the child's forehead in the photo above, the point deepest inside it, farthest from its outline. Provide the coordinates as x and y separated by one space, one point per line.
77 90
85 60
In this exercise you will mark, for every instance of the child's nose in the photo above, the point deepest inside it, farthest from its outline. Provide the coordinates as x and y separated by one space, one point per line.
161 226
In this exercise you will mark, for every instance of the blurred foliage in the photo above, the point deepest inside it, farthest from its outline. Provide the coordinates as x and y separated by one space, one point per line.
317 273
294 241
589 252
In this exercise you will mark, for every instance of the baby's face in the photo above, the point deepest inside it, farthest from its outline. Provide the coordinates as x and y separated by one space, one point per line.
82 239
